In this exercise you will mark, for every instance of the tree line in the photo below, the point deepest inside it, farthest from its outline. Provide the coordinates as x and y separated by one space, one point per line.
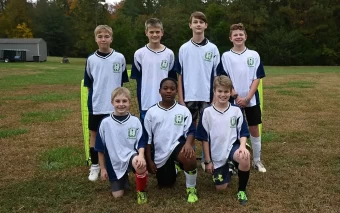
284 32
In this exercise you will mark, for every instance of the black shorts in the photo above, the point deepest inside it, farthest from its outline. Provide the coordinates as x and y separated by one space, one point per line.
196 108
94 121
166 175
123 182
253 115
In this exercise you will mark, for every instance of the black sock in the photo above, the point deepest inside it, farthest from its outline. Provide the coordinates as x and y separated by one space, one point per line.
243 180
94 155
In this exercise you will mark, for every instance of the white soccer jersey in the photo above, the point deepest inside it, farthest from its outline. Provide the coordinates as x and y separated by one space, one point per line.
102 76
166 128
119 140
243 68
197 64
221 130
149 69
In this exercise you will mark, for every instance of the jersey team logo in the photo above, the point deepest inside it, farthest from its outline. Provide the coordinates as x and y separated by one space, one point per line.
132 133
233 122
208 56
250 61
164 64
116 67
179 120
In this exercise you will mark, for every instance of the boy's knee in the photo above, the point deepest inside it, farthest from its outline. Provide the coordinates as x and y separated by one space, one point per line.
118 194
221 187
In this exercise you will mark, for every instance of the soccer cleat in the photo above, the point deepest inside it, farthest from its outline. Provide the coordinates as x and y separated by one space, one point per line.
259 166
242 197
141 197
192 194
94 172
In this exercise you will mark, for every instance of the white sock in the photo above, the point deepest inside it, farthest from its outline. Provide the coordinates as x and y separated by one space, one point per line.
256 146
190 178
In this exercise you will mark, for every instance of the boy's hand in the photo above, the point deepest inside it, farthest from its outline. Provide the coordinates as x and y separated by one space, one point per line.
151 167
103 174
241 102
209 168
243 153
188 150
140 161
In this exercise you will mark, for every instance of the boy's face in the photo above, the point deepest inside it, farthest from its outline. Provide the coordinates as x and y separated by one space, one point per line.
238 37
168 91
154 34
222 94
197 25
121 104
103 40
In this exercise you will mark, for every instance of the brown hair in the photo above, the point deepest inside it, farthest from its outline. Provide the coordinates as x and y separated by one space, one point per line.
153 22
223 81
198 15
103 28
238 26
121 91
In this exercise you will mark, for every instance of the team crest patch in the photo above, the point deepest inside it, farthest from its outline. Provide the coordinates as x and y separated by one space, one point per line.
233 122
179 120
250 61
132 133
116 67
164 64
208 56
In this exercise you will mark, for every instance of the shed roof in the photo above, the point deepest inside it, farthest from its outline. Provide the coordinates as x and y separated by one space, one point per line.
20 40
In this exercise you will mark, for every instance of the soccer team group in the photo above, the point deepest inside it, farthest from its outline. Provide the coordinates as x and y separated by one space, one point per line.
218 104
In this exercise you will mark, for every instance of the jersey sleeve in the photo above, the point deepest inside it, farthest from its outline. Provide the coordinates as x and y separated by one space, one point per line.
172 72
140 137
125 77
242 127
88 80
222 67
148 127
201 132
189 127
99 145
179 62
216 60
136 66
260 71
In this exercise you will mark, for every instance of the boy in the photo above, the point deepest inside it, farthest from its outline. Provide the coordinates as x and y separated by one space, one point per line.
244 68
105 70
196 66
226 143
152 63
118 139
170 134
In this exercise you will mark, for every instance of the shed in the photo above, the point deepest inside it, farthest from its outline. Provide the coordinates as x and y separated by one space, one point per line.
35 48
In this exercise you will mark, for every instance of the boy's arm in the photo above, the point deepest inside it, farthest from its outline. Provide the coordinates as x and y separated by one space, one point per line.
99 147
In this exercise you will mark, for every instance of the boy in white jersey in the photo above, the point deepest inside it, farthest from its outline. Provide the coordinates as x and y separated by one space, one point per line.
244 68
170 132
120 145
105 70
224 132
196 66
152 63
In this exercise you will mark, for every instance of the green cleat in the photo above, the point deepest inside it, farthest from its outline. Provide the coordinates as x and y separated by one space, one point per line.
242 197
141 197
192 195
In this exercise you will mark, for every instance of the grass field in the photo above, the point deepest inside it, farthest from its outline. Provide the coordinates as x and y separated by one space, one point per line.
42 159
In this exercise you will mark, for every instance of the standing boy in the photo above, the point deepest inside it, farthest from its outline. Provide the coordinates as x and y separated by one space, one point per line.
105 70
170 134
151 64
120 145
245 70
224 133
197 62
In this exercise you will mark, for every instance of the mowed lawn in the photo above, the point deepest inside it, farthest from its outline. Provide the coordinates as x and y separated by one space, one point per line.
43 162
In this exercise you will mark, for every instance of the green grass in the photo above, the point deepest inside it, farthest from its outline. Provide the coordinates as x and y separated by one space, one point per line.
61 158
45 97
6 133
2 117
46 116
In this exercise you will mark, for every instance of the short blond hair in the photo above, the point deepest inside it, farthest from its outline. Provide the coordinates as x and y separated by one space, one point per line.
198 15
103 28
223 81
238 26
121 91
153 22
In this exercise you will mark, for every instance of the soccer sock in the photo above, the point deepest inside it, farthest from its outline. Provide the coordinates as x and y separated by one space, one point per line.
191 177
256 146
94 156
243 178
141 180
